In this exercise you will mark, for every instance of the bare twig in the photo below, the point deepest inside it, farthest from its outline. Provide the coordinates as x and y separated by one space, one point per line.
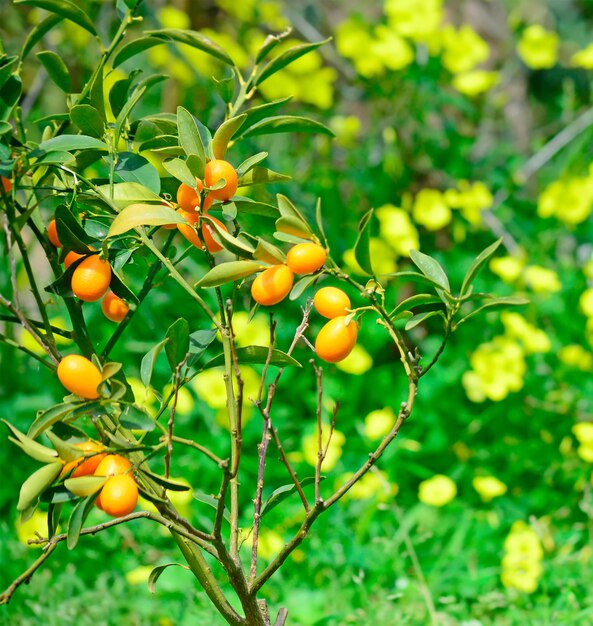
193 444
171 422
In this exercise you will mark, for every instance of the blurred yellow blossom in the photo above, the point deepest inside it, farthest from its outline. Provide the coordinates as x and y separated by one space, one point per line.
533 339
575 355
437 491
172 17
569 199
397 229
393 51
334 451
583 431
541 280
139 575
269 543
489 487
27 340
431 210
583 58
357 362
378 423
475 82
210 387
470 198
498 368
509 268
588 269
463 49
418 20
522 562
185 400
254 332
346 128
538 48
374 484
36 524
586 302
383 258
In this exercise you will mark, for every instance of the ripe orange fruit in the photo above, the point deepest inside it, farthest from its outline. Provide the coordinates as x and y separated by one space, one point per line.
272 285
305 258
113 465
336 339
217 169
91 278
71 257
189 199
331 302
211 244
119 496
190 233
80 376
85 465
7 184
114 308
52 233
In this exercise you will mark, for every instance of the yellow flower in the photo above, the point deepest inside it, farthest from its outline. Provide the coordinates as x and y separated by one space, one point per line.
576 356
394 52
520 573
475 82
334 451
523 541
347 129
357 362
251 333
588 269
463 49
185 400
583 58
397 229
585 451
210 387
171 17
471 199
533 339
378 423
431 210
498 368
541 279
418 20
437 491
570 200
489 487
139 576
509 268
583 431
36 524
382 255
374 484
586 302
538 48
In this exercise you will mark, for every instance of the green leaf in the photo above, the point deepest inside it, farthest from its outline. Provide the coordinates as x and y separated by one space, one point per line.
38 32
83 486
293 226
195 40
131 167
36 484
259 112
270 42
77 518
301 285
250 163
417 300
178 169
69 143
190 138
478 264
257 355
169 485
147 364
211 501
66 451
32 448
135 47
268 253
119 93
125 194
421 317
247 205
177 345
65 9
229 272
261 176
156 574
362 247
227 241
135 418
225 88
120 289
199 340
87 119
280 494
287 57
56 68
430 268
494 304
287 124
223 135
61 412
143 215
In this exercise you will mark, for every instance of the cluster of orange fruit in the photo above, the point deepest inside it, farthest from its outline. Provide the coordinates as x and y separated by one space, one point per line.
188 199
91 279
119 494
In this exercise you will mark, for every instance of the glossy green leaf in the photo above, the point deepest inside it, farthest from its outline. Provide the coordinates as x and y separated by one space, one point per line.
178 169
77 518
148 361
36 484
125 194
31 447
193 39
268 253
478 264
421 317
270 42
293 226
362 247
61 412
280 494
417 300
136 418
38 32
177 345
211 501
229 272
70 143
167 483
143 215
190 138
250 163
496 303
135 47
199 340
65 9
225 87
301 285
120 289
287 124
430 268
261 176
83 486
56 68
87 119
223 135
66 451
227 241
155 574
247 205
257 355
131 167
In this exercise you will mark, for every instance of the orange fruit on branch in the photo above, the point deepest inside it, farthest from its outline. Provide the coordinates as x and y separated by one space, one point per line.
189 232
71 257
85 465
7 184
119 496
91 279
331 302
52 234
216 170
305 258
272 285
188 198
336 339
207 230
113 465
114 308
80 376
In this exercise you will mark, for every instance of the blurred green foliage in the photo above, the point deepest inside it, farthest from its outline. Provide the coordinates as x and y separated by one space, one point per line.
460 122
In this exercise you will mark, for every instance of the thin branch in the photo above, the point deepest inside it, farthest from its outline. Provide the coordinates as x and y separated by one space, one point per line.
171 422
37 324
320 455
192 444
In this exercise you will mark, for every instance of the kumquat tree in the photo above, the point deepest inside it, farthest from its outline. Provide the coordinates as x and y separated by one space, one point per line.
158 247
